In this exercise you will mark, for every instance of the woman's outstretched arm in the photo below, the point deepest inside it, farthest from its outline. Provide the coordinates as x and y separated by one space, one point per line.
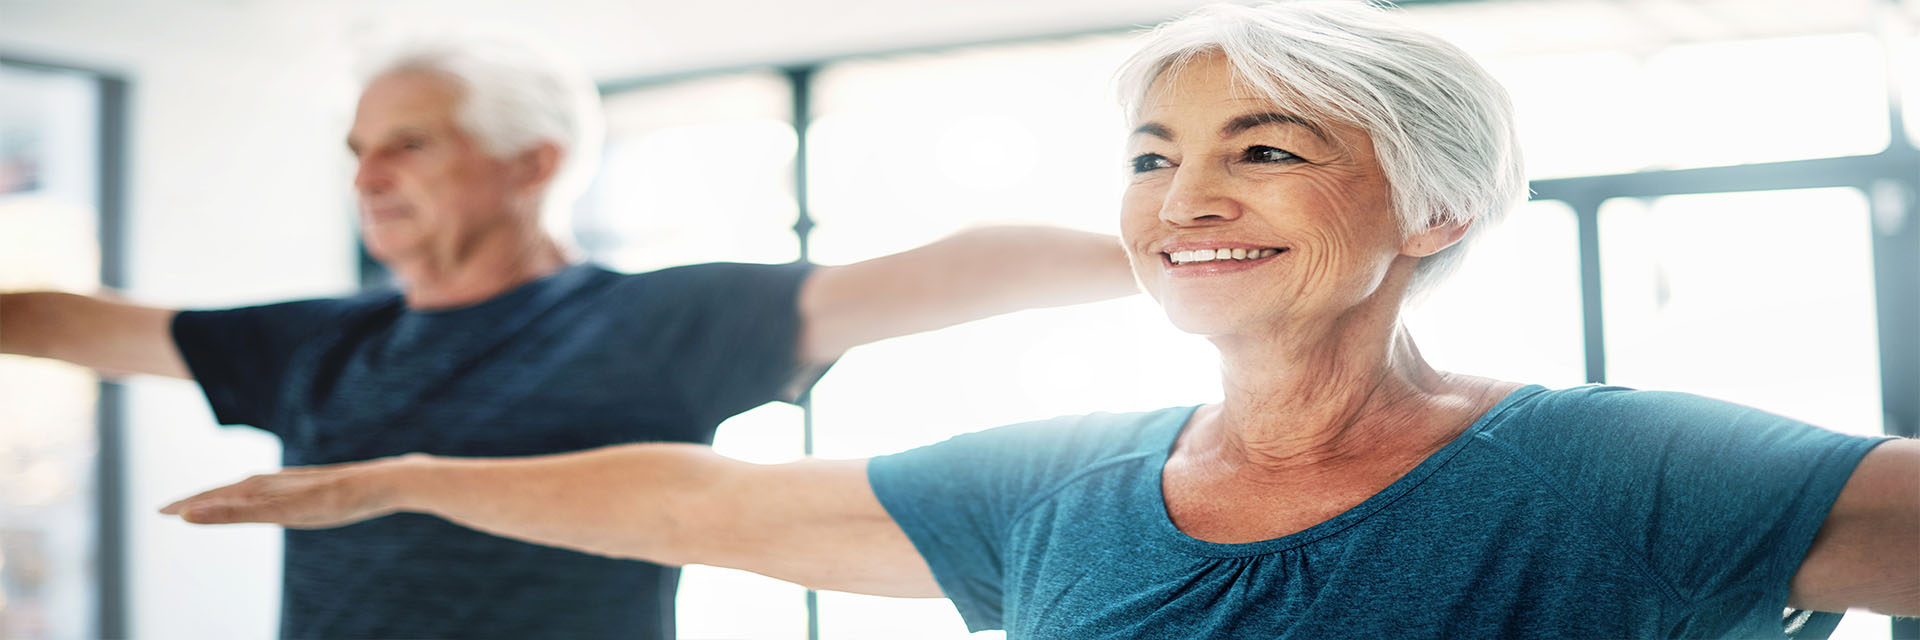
813 522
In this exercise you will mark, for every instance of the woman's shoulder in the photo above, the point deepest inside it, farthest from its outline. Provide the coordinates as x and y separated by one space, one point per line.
1614 423
1093 435
1595 405
1008 466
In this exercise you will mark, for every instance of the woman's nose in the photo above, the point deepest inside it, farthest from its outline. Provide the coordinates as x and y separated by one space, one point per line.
1198 195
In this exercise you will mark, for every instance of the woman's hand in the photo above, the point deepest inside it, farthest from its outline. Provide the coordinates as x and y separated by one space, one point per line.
320 497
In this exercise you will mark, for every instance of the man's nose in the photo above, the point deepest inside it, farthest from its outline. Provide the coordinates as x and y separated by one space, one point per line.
371 177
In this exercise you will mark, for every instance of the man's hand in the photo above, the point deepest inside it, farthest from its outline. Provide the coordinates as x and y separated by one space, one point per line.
319 497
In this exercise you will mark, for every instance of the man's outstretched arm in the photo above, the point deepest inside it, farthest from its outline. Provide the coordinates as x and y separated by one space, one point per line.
813 522
108 336
970 275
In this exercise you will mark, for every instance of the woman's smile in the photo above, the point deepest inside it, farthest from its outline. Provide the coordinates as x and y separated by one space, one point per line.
1213 258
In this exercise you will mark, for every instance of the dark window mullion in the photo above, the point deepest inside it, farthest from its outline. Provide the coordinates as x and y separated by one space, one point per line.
801 81
1592 307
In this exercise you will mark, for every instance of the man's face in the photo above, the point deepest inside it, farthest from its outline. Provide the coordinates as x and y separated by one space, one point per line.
427 189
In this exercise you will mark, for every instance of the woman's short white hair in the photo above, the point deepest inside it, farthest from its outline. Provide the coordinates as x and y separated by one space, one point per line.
515 95
1442 127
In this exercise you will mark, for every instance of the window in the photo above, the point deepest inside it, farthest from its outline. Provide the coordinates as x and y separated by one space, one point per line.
1512 311
1761 298
49 238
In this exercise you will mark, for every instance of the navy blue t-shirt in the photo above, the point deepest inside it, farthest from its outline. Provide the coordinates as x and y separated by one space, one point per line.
581 359
1592 512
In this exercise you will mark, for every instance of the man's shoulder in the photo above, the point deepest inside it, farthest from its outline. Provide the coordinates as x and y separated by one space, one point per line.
301 311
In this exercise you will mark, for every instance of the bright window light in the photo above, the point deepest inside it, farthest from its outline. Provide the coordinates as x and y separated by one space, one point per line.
1512 311
699 171
48 447
1761 298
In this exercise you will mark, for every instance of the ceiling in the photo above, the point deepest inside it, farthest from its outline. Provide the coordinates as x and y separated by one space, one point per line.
641 38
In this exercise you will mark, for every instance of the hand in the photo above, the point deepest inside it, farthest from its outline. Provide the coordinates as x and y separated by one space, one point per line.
320 497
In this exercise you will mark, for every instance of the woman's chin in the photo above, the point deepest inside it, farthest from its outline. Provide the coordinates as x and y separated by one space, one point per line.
1203 321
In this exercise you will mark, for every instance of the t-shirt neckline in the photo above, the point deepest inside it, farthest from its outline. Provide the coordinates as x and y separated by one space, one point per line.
1163 526
567 278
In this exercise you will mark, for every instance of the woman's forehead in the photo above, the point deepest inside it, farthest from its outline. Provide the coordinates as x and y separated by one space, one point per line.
1209 80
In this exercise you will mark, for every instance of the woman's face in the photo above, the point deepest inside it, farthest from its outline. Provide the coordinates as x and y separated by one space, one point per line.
1241 218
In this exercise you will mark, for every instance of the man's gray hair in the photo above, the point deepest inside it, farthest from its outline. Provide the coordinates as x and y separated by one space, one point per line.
1442 127
514 96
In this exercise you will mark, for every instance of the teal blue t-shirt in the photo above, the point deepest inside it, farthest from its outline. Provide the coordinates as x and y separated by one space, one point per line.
1584 512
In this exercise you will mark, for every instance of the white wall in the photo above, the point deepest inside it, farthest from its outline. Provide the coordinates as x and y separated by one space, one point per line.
239 190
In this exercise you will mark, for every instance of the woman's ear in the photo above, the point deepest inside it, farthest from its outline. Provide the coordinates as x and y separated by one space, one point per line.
1434 238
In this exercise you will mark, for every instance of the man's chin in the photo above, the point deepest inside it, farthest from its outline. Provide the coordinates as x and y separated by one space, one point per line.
385 248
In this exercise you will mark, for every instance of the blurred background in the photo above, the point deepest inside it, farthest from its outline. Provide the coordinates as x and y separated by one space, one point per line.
1724 205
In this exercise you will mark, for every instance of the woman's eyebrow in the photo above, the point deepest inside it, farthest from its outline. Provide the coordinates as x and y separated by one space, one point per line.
1154 129
1243 123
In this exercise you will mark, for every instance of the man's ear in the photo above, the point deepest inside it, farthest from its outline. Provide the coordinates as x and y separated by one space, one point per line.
537 167
1434 238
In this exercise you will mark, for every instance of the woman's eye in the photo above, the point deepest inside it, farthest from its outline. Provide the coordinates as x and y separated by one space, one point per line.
413 145
1265 154
1146 162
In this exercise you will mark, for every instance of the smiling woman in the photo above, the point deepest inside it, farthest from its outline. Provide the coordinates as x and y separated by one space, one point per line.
1342 487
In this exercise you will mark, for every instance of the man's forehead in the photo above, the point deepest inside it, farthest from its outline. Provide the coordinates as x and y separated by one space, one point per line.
400 101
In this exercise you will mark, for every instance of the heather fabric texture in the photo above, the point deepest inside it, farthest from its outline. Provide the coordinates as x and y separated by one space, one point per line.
581 359
1591 512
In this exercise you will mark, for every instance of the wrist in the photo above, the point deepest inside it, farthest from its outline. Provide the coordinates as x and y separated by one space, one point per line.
401 483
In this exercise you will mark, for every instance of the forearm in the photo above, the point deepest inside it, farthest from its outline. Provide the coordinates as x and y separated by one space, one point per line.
627 501
108 336
1011 268
968 276
814 522
25 323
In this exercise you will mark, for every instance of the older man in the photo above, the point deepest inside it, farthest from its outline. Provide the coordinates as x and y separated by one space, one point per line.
497 344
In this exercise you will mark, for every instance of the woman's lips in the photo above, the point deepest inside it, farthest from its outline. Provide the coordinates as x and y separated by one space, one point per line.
1215 261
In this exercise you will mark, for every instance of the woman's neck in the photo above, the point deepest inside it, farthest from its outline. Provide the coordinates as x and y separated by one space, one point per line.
1352 391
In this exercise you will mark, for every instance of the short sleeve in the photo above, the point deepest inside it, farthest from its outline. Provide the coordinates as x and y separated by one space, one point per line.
958 500
1722 500
739 334
240 356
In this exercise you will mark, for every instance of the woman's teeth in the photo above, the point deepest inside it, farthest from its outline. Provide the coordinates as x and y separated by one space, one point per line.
1210 255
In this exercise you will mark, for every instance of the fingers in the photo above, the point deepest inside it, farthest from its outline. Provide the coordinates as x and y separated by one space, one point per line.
290 499
299 497
239 502
179 506
214 514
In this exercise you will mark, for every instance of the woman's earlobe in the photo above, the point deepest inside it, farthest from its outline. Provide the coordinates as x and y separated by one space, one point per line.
1434 239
